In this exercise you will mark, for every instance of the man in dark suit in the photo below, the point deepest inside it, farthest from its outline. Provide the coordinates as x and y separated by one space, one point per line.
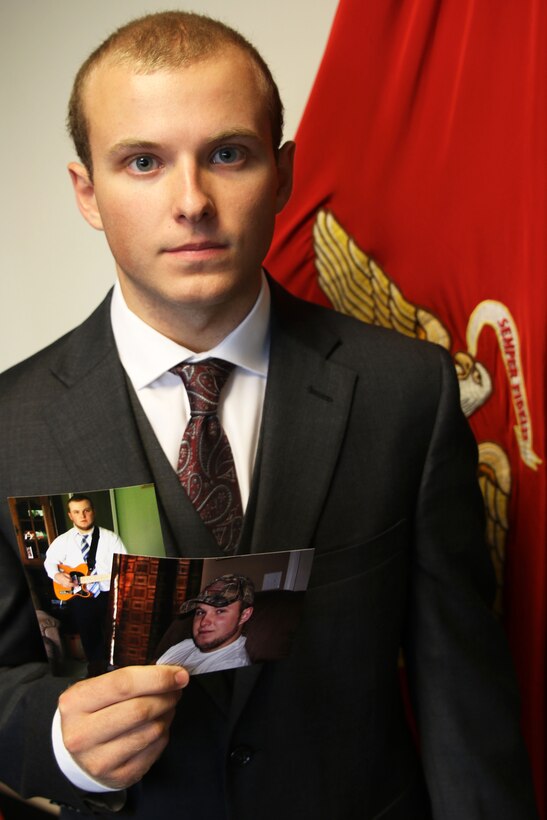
346 438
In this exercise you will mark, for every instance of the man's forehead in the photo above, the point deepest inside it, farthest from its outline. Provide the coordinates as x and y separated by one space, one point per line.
128 71
221 92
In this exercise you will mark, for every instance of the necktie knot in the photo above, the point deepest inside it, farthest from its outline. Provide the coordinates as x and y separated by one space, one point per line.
203 382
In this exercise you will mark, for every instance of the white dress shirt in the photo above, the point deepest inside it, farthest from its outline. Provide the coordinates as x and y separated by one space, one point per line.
67 549
147 357
187 654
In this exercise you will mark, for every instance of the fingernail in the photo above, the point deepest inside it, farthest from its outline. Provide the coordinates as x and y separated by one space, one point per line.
181 678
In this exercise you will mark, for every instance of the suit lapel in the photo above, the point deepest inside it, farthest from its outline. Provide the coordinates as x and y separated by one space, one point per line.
306 409
90 418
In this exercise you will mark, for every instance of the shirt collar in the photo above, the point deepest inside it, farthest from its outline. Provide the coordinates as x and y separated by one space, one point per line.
146 354
80 533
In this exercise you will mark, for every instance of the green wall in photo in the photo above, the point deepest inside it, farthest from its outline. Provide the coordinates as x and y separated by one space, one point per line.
138 523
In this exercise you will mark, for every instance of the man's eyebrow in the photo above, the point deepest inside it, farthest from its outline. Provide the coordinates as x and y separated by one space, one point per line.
125 146
235 133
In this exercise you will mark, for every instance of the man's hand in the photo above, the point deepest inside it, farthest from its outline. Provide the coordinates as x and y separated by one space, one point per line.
115 726
64 580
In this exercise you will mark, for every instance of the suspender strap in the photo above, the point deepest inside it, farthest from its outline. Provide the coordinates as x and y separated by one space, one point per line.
93 549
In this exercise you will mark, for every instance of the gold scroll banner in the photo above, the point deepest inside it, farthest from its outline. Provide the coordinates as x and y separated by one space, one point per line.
497 316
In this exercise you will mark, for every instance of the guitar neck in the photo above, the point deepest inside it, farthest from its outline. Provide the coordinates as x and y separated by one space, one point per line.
93 579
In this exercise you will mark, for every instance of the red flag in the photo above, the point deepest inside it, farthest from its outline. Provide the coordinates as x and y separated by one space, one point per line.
420 203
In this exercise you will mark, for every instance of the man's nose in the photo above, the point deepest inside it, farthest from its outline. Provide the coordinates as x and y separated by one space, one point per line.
206 619
192 197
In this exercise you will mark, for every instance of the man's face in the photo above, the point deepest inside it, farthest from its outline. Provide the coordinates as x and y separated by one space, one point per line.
186 183
214 627
81 514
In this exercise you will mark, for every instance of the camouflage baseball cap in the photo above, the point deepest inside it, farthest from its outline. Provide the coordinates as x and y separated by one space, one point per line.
223 591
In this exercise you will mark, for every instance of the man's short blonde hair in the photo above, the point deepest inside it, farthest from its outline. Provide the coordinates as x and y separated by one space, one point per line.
166 40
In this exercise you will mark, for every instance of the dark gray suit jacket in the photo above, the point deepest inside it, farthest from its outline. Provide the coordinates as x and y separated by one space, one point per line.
365 456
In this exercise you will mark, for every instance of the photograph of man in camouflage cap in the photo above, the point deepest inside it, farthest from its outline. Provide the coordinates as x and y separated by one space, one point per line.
221 611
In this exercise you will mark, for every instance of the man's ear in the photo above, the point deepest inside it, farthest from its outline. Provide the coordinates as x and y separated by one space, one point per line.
245 615
285 163
85 194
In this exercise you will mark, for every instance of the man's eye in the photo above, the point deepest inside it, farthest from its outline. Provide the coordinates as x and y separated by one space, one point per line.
144 164
227 156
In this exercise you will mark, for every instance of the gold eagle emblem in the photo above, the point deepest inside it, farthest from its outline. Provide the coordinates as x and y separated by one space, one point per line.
357 286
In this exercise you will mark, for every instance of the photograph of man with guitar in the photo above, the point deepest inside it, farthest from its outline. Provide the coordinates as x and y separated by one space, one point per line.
79 562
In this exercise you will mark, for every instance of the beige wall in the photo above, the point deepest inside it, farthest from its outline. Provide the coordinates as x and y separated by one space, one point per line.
55 268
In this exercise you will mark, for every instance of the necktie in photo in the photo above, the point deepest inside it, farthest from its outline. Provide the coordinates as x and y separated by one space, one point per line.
94 589
85 547
206 468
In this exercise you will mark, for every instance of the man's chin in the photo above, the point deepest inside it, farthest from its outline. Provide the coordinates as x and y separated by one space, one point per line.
210 646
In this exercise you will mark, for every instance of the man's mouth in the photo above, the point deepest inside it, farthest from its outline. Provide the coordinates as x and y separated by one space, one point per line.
198 247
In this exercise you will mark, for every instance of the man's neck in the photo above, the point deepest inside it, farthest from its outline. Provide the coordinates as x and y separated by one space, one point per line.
195 326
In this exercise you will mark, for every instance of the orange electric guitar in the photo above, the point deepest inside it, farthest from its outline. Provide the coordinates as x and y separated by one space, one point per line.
80 576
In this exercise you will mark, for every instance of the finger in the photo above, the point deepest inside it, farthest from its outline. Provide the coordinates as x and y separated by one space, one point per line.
91 695
82 733
124 762
134 751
